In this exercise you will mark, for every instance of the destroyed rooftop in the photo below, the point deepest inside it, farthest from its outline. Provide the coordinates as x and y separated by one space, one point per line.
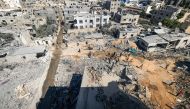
129 29
174 36
26 50
154 39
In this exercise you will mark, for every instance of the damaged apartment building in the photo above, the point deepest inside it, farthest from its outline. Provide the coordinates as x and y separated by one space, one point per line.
112 5
12 20
163 42
82 18
124 16
128 20
163 12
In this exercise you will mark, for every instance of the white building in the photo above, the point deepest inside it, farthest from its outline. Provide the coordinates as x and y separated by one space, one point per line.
90 20
131 1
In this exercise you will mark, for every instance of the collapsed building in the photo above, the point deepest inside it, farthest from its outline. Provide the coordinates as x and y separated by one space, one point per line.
23 53
152 43
100 89
167 41
177 41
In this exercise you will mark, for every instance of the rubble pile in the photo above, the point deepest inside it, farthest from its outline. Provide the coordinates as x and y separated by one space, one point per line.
182 89
130 94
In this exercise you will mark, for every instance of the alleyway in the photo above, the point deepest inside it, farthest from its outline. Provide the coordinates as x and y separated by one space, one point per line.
54 62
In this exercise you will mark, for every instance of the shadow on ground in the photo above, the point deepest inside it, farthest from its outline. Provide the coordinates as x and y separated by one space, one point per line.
109 97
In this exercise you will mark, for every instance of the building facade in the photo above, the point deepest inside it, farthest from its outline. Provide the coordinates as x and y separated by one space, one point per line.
90 20
112 5
124 16
165 12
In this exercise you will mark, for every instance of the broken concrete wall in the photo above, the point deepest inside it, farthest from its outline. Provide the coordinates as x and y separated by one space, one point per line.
185 41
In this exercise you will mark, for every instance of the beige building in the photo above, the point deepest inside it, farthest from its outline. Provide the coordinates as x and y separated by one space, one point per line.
126 17
112 5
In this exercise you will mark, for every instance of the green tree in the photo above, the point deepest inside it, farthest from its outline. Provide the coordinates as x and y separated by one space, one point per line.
171 23
180 15
122 4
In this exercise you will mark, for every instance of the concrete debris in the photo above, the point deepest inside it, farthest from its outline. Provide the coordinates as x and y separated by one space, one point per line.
168 82
65 55
22 92
183 92
131 87
148 93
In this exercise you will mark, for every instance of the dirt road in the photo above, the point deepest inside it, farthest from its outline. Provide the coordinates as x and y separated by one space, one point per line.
54 62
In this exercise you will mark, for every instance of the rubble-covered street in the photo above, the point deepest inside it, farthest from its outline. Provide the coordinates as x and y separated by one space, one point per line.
94 54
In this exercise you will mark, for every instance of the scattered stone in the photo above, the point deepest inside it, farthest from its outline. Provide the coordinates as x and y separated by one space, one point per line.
22 91
131 87
148 93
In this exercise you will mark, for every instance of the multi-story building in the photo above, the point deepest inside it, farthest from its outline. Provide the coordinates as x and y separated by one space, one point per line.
165 12
112 5
124 16
75 10
83 20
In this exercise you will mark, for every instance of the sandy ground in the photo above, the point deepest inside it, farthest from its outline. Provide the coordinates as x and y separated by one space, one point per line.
19 83
151 75
73 48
